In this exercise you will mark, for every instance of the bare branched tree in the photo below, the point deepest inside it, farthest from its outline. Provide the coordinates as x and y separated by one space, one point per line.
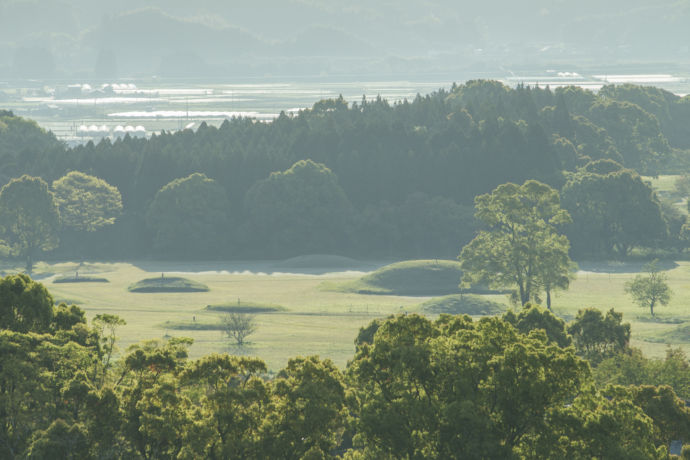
238 326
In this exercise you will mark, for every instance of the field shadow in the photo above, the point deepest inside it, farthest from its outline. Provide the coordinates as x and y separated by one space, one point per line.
622 267
247 349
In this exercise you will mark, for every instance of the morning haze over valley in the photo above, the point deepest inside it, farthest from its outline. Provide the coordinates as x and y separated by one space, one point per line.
318 229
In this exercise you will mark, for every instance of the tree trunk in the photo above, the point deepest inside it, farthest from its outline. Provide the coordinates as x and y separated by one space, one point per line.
524 296
651 308
29 264
548 299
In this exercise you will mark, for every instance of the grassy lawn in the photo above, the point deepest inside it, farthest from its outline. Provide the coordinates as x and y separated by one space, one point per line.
306 317
605 290
314 321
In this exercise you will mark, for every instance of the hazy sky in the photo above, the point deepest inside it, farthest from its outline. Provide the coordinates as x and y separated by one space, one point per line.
259 37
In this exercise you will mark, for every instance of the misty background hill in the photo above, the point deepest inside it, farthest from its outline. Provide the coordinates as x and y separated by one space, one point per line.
211 38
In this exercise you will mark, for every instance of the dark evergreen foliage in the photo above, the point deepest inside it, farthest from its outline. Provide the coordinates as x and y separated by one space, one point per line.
408 170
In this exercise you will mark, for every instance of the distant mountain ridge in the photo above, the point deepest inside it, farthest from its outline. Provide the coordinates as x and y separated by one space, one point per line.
228 35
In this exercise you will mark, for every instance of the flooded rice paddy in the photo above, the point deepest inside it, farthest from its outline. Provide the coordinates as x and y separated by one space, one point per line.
69 110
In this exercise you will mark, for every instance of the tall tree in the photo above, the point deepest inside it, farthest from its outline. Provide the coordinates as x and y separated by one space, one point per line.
234 402
86 203
456 388
300 210
556 270
190 216
637 134
308 413
30 218
25 306
613 210
520 245
597 336
534 317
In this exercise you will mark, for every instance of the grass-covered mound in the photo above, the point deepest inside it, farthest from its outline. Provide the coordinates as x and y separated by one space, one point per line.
80 279
246 307
167 284
192 326
462 304
411 278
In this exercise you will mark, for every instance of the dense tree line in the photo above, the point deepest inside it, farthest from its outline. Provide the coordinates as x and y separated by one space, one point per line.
395 179
516 386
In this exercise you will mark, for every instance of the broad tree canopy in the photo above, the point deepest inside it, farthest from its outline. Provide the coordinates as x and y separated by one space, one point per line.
29 216
25 306
520 245
86 203
613 210
189 216
300 210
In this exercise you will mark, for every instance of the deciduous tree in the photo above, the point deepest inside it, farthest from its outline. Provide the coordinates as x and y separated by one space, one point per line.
456 388
86 203
520 246
25 305
233 406
597 336
308 413
189 216
30 218
533 317
613 210
650 290
238 326
300 210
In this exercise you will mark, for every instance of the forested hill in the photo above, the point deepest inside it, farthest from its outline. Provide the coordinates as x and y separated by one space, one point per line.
368 178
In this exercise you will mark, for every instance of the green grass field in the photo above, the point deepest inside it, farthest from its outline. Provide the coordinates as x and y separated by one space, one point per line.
603 287
314 320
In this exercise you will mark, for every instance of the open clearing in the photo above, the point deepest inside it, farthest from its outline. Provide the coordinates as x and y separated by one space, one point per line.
318 320
315 321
